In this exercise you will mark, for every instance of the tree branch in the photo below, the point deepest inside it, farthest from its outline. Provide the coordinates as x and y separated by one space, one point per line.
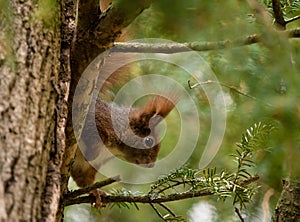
137 199
167 209
278 14
88 12
287 208
157 211
292 33
233 88
95 33
88 189
237 211
148 199
169 48
292 19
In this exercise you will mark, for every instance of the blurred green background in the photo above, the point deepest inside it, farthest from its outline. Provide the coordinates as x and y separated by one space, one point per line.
268 71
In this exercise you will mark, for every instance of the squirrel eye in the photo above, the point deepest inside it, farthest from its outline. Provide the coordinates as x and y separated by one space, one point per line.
148 141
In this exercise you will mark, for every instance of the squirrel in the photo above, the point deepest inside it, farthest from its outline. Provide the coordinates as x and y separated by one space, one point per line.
129 133
126 132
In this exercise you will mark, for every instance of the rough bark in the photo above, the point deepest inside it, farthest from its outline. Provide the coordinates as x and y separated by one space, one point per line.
28 73
68 27
33 109
278 14
288 206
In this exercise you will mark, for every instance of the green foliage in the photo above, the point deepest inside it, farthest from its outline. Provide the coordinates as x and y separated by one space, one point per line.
222 184
289 7
255 137
260 70
47 12
6 34
125 193
192 20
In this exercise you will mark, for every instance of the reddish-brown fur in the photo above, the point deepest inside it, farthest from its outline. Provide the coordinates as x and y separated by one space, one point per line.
142 122
118 138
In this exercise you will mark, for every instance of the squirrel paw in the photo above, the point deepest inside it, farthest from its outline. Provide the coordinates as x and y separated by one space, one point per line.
97 194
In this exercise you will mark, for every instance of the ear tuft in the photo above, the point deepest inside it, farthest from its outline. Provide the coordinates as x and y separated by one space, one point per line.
161 104
157 108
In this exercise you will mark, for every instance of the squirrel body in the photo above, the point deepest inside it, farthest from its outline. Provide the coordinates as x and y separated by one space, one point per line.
129 133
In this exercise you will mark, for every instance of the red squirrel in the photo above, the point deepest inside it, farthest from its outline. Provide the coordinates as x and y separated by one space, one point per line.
132 135
136 142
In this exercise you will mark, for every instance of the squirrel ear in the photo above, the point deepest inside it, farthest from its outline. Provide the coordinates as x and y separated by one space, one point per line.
161 105
154 111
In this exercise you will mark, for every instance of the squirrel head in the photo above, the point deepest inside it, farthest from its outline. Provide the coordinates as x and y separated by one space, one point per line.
143 122
132 134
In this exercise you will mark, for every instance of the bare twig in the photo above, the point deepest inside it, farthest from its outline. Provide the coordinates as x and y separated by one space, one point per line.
292 33
88 189
167 209
237 211
170 48
292 19
163 206
157 211
222 84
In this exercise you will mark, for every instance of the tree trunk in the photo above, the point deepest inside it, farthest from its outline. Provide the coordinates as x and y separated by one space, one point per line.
288 206
30 116
35 75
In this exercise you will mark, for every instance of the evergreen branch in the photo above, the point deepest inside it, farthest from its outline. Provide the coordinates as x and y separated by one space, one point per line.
252 139
147 199
195 183
171 186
